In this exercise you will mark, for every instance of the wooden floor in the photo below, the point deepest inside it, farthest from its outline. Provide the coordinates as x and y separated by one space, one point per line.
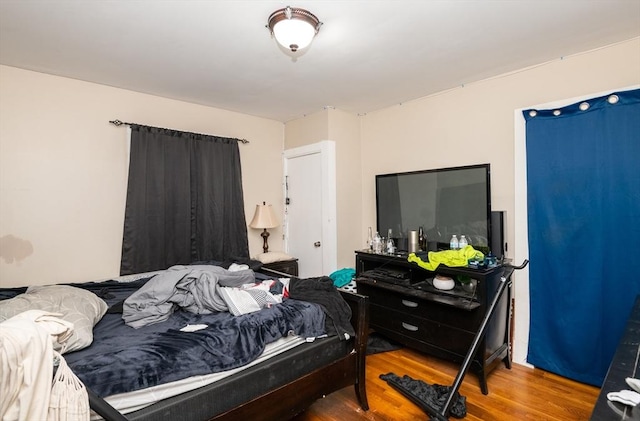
521 393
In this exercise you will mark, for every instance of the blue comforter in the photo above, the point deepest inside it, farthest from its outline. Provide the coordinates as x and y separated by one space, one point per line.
122 359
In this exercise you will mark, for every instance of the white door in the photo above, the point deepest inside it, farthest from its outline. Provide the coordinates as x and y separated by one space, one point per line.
304 213
310 208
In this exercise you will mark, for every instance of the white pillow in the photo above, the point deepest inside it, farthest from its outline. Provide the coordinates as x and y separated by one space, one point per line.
81 307
273 256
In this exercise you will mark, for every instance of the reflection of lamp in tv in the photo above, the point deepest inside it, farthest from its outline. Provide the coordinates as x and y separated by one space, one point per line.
264 218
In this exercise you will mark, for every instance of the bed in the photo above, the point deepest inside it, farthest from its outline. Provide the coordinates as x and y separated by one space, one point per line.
280 383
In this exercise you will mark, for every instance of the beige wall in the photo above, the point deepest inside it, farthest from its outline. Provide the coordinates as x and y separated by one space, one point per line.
344 129
475 123
63 167
63 171
307 130
466 125
479 123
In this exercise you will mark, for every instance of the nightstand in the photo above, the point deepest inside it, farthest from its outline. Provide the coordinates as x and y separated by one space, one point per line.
290 267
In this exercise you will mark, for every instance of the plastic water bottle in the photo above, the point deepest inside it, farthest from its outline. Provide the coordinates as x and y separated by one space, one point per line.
463 242
454 244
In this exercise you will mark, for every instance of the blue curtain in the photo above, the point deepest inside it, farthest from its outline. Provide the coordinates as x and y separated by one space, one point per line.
583 181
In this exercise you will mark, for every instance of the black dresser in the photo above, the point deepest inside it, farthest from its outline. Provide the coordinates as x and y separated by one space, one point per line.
625 363
405 307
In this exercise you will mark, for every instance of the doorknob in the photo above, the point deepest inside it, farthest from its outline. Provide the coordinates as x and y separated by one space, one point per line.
316 244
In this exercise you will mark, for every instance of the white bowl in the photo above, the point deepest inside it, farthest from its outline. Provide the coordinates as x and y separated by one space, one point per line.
443 282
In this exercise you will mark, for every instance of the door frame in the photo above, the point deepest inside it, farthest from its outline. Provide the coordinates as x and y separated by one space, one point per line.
327 151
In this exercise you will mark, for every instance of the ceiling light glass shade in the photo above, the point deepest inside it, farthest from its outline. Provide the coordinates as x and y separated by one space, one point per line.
293 28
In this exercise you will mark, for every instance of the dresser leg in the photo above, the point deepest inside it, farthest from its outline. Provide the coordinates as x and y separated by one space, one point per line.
507 360
482 376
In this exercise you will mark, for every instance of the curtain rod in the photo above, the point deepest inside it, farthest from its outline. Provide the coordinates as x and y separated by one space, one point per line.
120 123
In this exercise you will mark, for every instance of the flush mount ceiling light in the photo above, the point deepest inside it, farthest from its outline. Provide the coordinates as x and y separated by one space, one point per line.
293 28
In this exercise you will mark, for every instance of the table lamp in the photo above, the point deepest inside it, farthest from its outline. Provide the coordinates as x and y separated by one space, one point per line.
264 218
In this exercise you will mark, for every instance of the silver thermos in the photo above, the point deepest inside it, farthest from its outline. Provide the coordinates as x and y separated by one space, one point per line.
414 245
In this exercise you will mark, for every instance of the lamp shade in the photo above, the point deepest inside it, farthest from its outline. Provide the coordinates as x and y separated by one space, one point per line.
293 28
264 217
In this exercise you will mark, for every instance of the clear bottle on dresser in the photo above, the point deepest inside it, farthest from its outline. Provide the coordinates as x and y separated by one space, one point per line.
391 247
377 243
454 244
463 242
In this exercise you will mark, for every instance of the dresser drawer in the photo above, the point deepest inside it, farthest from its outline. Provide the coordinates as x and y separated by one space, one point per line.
418 329
418 308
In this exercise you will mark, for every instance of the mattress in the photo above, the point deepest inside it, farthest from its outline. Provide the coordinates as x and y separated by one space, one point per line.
129 402
248 384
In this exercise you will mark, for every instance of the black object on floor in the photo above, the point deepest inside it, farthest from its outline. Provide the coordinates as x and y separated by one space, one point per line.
425 395
377 343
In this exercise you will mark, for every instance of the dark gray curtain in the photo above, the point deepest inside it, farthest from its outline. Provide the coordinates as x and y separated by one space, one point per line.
184 200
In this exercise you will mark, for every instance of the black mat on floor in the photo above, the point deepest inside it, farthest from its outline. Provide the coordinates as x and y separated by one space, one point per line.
377 343
430 398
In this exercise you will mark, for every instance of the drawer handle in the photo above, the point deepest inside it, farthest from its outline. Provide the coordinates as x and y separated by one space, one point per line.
408 303
407 326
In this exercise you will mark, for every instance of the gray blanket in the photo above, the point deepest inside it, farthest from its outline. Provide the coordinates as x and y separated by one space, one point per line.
194 288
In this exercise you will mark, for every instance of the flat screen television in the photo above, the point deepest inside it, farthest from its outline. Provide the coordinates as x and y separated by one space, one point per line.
444 202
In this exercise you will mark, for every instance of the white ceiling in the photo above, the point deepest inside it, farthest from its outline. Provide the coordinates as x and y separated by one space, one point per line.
367 56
